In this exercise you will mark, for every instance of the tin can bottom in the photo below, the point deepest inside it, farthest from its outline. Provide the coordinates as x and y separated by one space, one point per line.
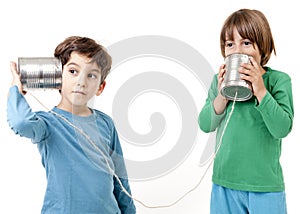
241 89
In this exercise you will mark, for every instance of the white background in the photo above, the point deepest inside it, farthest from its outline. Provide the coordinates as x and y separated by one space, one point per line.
34 28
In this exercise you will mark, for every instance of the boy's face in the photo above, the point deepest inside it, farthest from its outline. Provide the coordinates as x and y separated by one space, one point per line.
241 45
80 81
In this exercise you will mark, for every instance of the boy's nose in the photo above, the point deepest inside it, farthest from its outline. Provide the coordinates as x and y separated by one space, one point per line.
238 49
81 80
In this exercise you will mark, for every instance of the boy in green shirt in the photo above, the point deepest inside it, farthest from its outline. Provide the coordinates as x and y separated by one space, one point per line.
247 175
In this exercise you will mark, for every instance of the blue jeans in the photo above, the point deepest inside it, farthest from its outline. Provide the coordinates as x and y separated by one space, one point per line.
229 201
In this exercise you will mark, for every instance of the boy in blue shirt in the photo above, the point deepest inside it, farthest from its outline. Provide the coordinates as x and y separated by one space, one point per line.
79 146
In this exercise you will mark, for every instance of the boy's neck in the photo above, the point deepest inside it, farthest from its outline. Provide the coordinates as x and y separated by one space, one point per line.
76 110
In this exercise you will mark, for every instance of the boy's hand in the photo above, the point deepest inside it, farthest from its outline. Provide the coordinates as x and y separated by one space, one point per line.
220 102
16 77
253 73
221 75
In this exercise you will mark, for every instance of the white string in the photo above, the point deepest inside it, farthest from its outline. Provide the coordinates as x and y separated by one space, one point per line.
222 134
117 177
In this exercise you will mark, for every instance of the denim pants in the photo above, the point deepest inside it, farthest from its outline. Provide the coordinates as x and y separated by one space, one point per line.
229 201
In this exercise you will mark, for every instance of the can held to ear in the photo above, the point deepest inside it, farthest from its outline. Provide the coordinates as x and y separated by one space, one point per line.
233 86
40 72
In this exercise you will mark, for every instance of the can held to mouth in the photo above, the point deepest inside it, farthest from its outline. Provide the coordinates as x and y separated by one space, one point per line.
233 86
40 72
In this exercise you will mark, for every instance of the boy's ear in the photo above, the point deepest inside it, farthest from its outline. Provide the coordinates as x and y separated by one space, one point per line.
101 88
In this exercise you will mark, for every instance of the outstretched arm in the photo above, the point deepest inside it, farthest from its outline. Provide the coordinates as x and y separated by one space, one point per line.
20 117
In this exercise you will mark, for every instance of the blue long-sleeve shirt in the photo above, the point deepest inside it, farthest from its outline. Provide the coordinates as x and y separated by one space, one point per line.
76 160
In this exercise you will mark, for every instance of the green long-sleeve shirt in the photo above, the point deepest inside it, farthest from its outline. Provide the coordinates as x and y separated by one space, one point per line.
248 158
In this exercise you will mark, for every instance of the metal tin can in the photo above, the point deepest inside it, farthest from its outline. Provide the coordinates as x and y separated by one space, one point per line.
233 86
40 72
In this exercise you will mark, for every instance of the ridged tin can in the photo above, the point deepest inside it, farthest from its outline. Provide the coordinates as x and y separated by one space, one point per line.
40 72
233 85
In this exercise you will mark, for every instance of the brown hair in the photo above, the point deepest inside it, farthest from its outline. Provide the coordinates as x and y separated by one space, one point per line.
87 47
252 25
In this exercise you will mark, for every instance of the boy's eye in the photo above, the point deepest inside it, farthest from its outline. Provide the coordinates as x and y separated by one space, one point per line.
93 76
247 43
73 71
229 44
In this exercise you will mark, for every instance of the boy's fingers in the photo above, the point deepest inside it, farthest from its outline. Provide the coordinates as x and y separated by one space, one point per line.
13 68
16 77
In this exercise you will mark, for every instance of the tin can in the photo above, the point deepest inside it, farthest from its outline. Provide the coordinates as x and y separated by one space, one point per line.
40 72
233 85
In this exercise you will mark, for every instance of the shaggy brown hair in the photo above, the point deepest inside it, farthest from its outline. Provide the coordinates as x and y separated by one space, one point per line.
87 47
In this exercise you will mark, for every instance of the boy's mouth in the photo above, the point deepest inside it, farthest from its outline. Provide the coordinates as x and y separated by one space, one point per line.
78 92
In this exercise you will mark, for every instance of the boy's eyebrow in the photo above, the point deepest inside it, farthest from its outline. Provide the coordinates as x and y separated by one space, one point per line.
75 64
230 40
72 63
97 70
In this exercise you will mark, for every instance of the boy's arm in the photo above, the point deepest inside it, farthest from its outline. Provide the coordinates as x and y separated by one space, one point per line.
125 202
21 119
208 119
277 108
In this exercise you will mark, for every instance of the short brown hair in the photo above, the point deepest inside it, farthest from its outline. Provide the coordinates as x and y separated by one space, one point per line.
252 25
87 47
